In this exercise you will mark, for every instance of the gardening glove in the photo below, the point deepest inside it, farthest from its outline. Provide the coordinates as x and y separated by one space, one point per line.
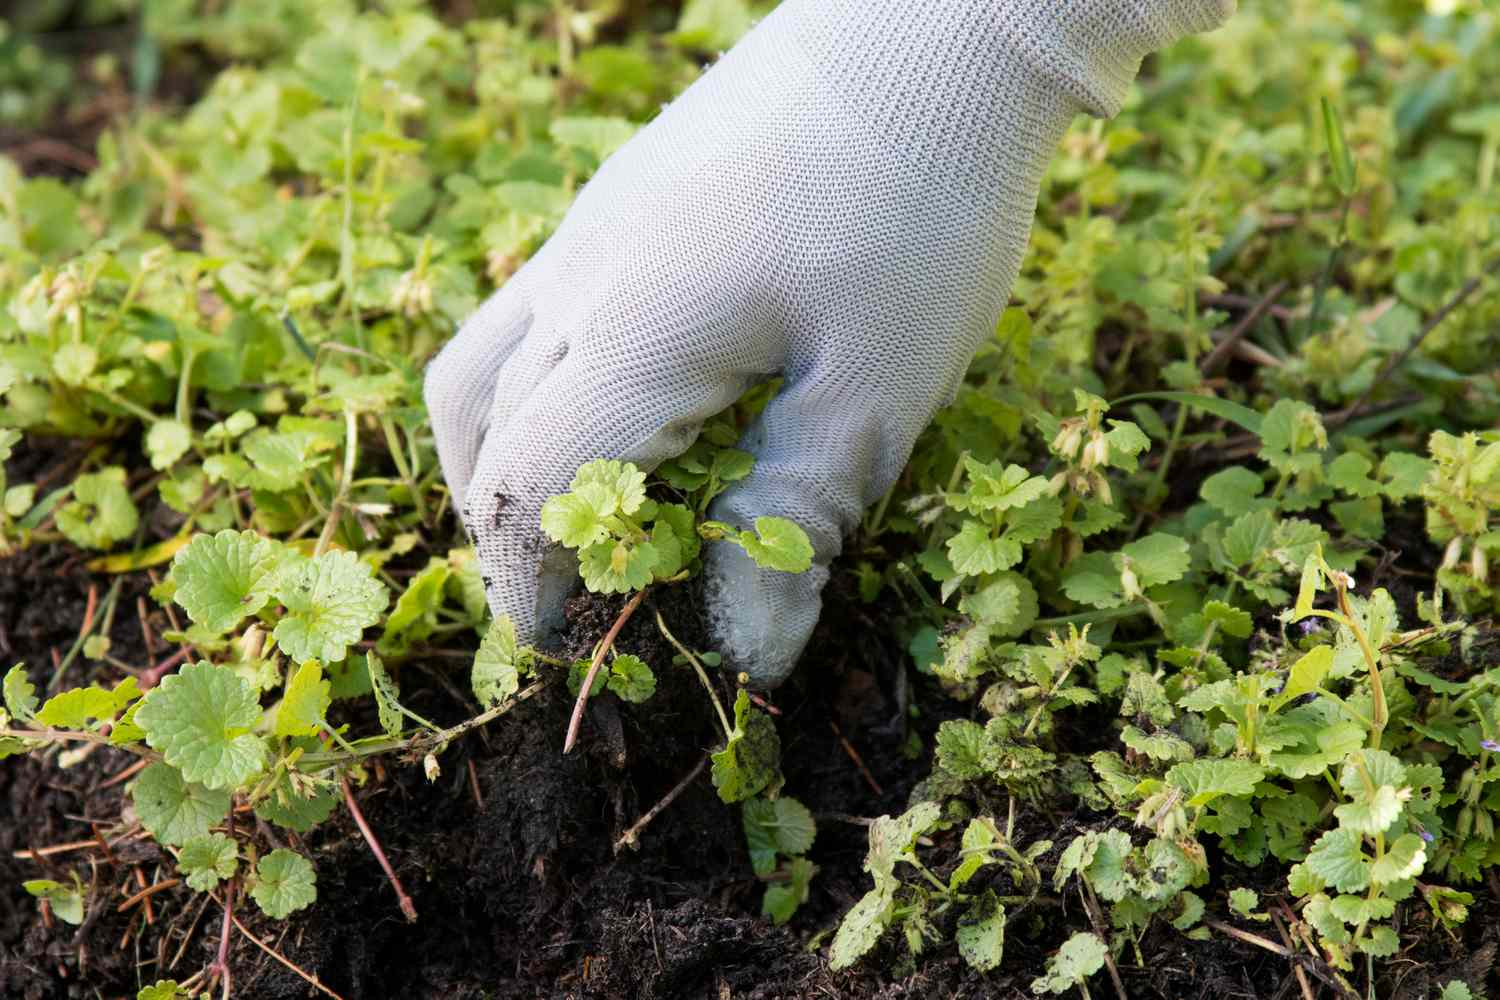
842 200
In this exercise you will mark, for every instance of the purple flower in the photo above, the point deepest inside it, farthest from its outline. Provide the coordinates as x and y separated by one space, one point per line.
1310 625
1490 745
1427 836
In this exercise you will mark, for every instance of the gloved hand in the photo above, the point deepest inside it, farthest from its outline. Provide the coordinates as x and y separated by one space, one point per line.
844 200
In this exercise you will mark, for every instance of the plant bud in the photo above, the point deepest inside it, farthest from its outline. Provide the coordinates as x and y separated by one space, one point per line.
1479 564
1452 553
430 767
1101 487
1484 824
1096 452
1465 825
1067 440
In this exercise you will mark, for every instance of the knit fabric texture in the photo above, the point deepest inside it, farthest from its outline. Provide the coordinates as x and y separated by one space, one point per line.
843 199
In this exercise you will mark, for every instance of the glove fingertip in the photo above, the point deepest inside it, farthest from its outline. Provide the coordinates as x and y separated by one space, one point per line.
760 619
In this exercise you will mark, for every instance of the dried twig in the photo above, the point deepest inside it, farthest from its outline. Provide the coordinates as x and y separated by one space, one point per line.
408 908
859 761
1096 917
1459 297
1216 357
1286 939
1249 938
588 681
307 977
630 837
145 894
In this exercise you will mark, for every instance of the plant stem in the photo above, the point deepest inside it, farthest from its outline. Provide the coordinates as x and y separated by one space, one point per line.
702 675
588 681
630 837
335 510
1333 258
346 230
408 908
1378 711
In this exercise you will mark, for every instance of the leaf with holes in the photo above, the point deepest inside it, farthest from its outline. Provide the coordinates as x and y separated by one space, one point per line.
329 602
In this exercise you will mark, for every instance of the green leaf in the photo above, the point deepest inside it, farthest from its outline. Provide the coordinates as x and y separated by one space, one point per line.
612 567
1339 860
20 695
496 673
166 442
305 703
201 720
1080 957
1243 901
1160 745
1403 474
78 707
781 545
207 860
979 844
329 602
782 899
974 552
173 810
1350 472
712 25
164 989
296 806
1205 779
284 883
101 512
600 136
630 679
861 928
1307 674
1456 989
750 759
66 900
993 488
1007 605
1242 416
1192 910
1380 941
783 826
415 614
1403 859
222 579
573 520
1307 589
960 748
1157 559
981 933
1093 579
622 483
1338 150
1234 491
74 363
1372 813
1125 441
1230 619
387 695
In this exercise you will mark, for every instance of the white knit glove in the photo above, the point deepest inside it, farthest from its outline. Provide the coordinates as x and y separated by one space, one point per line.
843 199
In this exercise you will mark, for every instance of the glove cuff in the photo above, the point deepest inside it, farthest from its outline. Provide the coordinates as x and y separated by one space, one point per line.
1092 49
